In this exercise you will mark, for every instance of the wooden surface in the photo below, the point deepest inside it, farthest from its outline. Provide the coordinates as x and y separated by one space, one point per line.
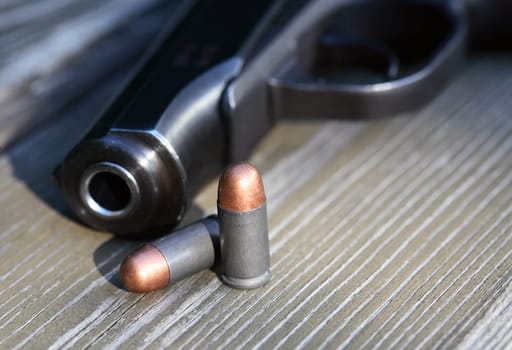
392 233
43 65
389 233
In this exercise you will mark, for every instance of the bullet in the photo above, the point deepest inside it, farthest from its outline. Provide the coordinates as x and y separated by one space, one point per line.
243 227
174 257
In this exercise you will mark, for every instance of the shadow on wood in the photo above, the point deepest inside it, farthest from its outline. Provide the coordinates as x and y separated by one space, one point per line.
109 256
71 103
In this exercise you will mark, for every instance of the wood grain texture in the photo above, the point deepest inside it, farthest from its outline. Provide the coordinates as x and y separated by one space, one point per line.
493 331
52 52
392 233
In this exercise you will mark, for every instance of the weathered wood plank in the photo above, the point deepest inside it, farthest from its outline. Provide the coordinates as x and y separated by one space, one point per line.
52 52
388 233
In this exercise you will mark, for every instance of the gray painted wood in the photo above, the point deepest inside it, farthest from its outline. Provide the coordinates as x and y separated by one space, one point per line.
52 52
392 233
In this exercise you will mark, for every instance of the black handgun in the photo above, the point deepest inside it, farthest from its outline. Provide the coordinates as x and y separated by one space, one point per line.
217 83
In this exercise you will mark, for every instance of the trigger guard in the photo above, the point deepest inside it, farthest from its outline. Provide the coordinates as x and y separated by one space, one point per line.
297 91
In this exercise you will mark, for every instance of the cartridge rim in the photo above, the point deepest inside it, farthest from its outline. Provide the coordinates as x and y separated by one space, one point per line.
246 283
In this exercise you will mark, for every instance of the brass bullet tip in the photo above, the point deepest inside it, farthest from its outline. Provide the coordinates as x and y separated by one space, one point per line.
145 270
241 188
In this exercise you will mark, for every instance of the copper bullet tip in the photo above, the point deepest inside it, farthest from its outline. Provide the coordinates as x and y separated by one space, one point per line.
145 270
241 188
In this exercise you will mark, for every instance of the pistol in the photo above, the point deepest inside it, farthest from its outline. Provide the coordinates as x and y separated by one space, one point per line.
217 82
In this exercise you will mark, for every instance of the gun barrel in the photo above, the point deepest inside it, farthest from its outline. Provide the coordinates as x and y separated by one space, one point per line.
164 136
